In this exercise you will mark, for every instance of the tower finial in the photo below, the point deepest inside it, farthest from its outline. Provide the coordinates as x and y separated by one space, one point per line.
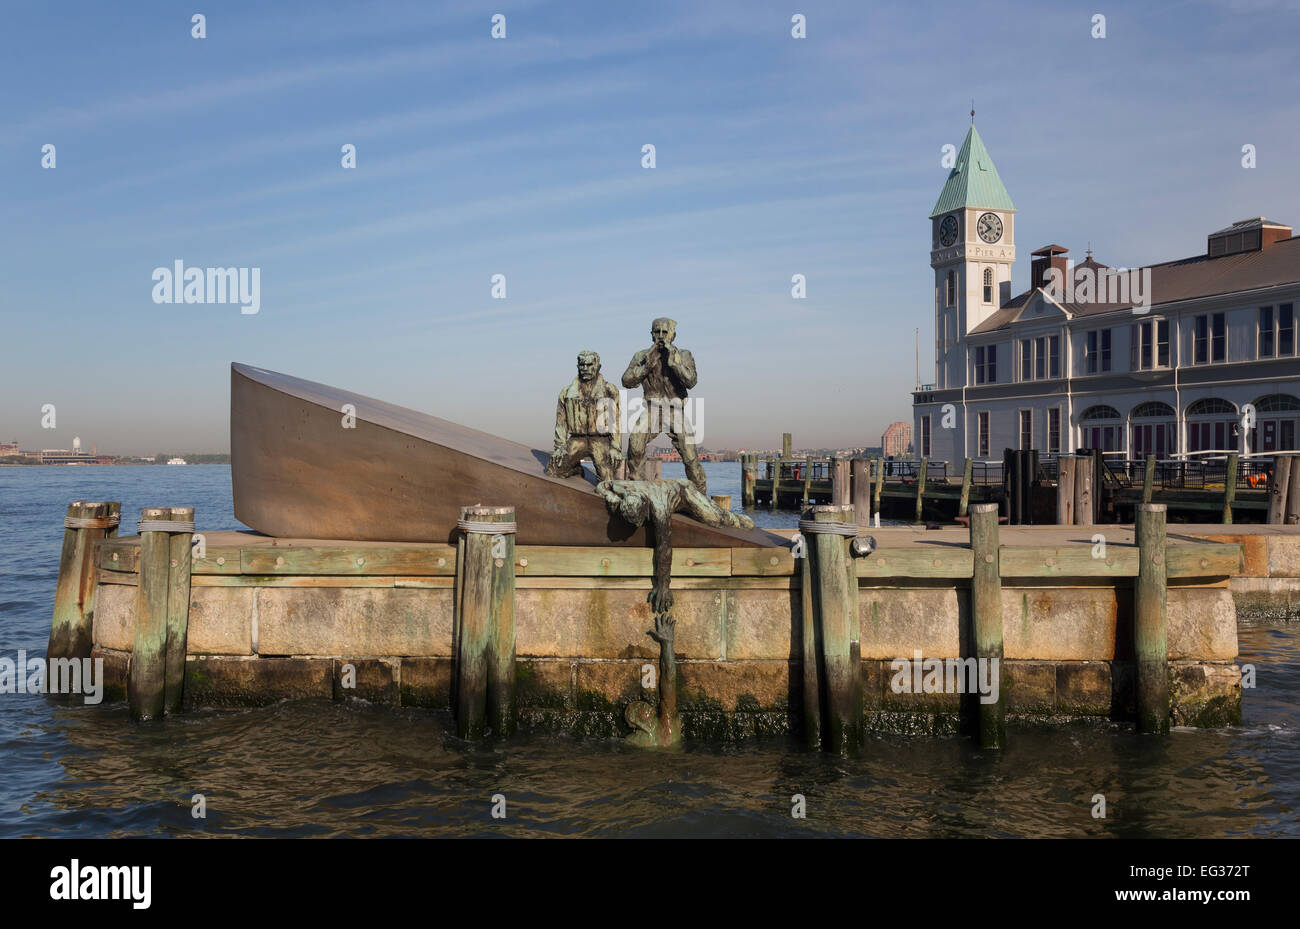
1089 248
972 111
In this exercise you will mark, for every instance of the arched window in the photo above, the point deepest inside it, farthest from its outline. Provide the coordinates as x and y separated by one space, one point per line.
1101 427
1155 430
950 292
1153 409
1276 403
1212 426
988 285
1211 406
1276 425
1101 411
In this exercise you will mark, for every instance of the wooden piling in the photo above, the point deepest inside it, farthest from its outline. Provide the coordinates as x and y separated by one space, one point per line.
1279 481
986 617
775 467
841 482
74 593
967 474
811 662
485 647
748 480
1065 476
147 680
1149 479
1150 631
807 478
721 501
920 488
860 477
1229 487
787 446
879 485
835 617
1029 479
1291 509
179 563
1084 491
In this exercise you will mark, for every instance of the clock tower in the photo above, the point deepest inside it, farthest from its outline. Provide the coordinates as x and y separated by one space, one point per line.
972 248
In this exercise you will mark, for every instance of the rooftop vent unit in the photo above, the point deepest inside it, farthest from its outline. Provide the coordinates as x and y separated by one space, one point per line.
1246 235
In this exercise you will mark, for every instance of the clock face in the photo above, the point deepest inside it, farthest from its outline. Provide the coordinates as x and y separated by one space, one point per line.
948 231
990 227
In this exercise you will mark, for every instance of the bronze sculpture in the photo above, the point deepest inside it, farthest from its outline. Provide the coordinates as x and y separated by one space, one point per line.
587 424
639 502
655 502
662 729
665 373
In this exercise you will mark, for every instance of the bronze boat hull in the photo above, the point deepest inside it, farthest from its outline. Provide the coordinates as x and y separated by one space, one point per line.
402 476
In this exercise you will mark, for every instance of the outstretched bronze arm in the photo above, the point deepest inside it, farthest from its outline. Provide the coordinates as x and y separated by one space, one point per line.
664 631
695 504
661 528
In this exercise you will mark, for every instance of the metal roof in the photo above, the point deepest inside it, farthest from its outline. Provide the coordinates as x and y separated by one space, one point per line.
973 181
1184 279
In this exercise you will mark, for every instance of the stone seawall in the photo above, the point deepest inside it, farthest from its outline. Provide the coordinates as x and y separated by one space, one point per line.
277 619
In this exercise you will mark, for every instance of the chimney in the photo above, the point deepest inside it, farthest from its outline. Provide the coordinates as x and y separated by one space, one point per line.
1049 256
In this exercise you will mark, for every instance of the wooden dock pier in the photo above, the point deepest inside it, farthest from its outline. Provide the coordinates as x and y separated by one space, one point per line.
1027 490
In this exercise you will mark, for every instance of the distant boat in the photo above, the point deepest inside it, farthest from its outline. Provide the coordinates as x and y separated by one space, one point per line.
177 461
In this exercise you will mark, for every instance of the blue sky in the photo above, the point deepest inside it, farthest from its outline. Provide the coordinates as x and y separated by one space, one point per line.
522 156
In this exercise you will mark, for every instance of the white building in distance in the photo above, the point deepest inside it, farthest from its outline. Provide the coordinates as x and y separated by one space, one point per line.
1203 360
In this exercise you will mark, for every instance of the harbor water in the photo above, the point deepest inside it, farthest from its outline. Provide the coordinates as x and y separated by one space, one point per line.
324 769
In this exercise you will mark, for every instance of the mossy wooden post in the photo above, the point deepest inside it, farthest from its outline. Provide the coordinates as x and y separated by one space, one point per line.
967 475
1293 493
485 647
811 655
1083 490
860 476
1150 631
841 481
775 468
1065 472
920 488
1278 482
748 480
807 478
1229 488
1149 479
879 487
178 605
787 446
835 617
147 681
986 616
721 501
74 596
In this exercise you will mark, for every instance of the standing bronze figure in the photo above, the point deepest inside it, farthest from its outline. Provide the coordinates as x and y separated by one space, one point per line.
587 424
665 373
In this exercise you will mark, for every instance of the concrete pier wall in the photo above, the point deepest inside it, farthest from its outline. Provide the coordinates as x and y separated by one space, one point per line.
283 619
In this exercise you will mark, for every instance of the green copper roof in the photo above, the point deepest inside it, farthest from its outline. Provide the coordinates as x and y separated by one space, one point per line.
973 180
